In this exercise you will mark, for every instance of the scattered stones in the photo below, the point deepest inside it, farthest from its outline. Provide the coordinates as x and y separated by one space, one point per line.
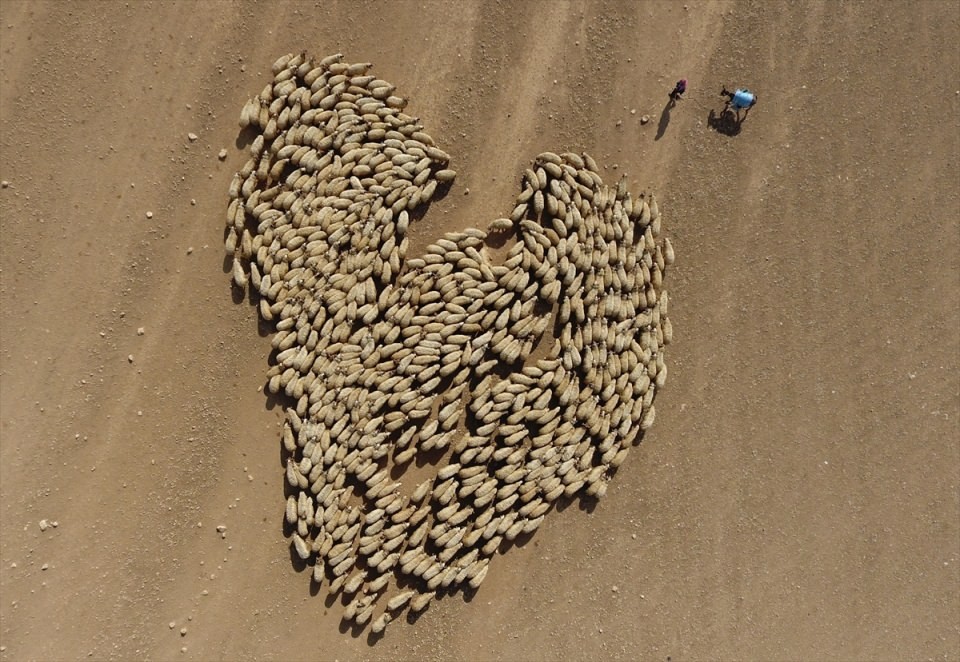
44 524
140 331
384 357
644 119
222 154
45 566
130 358
192 137
149 214
4 184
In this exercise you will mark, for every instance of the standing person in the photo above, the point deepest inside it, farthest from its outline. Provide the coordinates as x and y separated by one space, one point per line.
744 99
679 89
741 98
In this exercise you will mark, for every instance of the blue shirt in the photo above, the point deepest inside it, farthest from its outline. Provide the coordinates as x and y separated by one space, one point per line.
742 98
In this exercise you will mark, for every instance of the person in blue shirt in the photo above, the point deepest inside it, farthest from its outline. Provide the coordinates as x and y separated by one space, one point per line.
740 99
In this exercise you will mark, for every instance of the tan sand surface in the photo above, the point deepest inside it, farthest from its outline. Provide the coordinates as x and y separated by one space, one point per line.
798 495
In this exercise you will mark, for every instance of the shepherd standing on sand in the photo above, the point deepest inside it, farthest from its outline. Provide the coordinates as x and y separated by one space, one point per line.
679 89
741 98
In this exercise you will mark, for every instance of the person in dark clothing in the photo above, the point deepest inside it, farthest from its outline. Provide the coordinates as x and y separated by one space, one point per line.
679 89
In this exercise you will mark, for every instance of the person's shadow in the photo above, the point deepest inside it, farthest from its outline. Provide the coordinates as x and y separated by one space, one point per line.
727 122
665 118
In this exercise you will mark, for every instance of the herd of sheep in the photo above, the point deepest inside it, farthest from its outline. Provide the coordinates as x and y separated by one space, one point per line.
525 372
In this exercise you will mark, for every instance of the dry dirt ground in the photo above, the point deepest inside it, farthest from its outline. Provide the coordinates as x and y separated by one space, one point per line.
797 497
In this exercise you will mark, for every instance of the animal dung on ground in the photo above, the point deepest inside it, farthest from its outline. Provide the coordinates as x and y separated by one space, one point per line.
523 379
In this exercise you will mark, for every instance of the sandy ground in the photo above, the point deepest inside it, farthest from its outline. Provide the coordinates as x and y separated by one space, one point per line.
798 495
